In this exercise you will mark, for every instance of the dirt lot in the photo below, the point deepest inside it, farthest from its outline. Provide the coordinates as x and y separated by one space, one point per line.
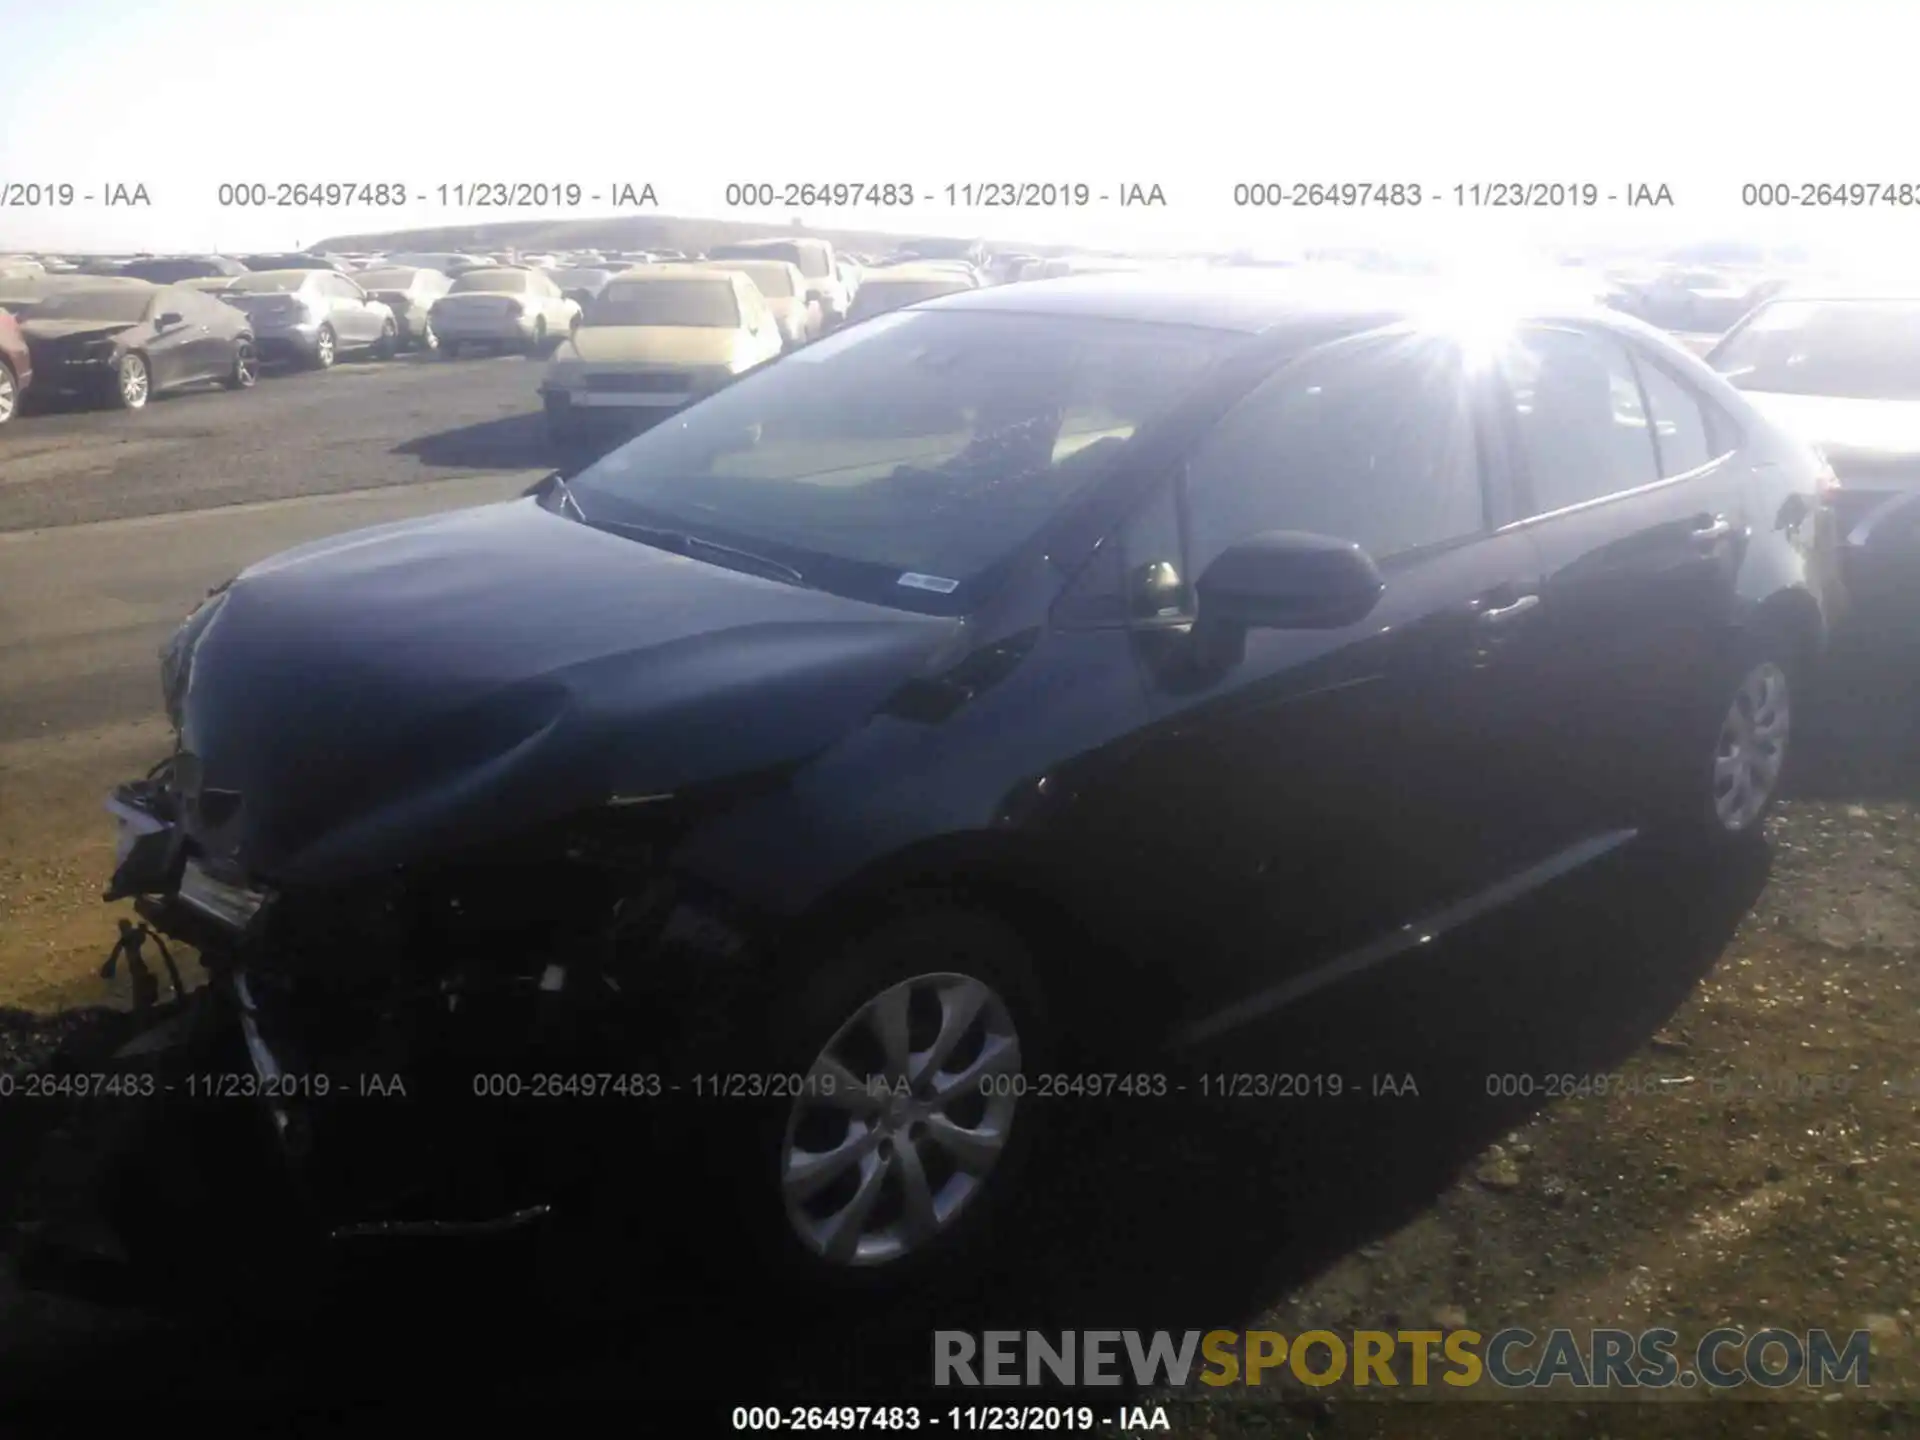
1754 1159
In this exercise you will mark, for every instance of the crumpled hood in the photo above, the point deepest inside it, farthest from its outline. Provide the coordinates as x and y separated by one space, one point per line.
60 332
383 696
1833 422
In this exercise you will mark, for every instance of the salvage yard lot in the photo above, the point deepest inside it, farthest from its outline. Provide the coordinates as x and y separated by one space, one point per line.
1765 1170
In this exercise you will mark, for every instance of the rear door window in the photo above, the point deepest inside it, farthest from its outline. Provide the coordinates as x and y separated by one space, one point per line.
1578 416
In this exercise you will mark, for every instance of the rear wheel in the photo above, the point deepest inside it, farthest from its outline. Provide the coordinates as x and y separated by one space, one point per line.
388 342
132 382
1737 776
9 393
246 367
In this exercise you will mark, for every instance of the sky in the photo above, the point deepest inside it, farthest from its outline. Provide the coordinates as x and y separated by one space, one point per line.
1195 97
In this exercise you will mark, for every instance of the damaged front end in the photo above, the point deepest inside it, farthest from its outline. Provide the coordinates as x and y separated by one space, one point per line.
457 1047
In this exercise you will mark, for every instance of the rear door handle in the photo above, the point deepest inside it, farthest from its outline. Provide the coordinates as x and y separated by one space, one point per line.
1502 616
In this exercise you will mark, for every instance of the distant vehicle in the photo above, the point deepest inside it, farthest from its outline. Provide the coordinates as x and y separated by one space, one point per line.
209 284
409 292
540 262
295 260
1842 371
124 344
784 288
20 295
503 306
20 267
581 283
813 257
171 269
894 286
16 367
943 247
654 341
849 271
448 262
101 265
313 316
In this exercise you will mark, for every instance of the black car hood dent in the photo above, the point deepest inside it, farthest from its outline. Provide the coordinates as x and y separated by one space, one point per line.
61 332
388 695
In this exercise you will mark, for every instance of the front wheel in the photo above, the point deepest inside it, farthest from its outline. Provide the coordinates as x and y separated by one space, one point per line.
901 1146
324 351
133 383
246 367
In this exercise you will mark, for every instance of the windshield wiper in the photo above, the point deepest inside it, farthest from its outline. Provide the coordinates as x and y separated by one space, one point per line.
682 543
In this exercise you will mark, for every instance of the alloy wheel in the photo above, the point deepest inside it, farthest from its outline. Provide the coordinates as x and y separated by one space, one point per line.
323 347
9 394
246 366
901 1120
1752 747
134 384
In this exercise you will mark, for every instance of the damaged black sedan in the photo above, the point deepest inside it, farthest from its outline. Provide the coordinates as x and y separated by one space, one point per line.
989 691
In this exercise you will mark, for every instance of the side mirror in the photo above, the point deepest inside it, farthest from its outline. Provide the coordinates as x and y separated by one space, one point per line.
1289 580
169 320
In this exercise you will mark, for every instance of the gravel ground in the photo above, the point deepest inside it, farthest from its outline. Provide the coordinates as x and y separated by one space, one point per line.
1755 1159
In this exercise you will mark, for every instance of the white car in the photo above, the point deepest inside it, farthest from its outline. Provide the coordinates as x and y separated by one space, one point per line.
785 290
656 340
503 307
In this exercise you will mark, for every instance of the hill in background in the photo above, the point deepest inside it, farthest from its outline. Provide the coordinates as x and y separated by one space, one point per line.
628 232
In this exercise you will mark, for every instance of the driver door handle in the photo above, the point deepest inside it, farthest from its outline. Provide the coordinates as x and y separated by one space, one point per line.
1713 532
1501 616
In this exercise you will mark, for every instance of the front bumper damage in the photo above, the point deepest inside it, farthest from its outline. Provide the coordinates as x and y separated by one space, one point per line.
409 1085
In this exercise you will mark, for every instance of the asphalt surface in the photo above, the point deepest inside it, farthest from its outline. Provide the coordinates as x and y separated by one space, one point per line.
113 525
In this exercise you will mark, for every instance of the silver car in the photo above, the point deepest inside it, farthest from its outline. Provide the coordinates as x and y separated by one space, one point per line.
312 315
505 306
409 292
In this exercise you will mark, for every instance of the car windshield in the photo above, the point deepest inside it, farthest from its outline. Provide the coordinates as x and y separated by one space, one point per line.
903 461
878 296
704 304
774 281
497 281
119 304
1867 349
268 282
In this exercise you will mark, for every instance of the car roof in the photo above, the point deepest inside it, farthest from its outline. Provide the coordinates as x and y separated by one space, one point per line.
301 271
714 272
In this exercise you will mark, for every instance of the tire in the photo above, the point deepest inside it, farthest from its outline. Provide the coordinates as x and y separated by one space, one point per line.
246 367
325 348
1738 779
132 382
934 957
388 342
9 393
538 345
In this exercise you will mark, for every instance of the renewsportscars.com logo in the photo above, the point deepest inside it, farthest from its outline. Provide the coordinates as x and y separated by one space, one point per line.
1513 1359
